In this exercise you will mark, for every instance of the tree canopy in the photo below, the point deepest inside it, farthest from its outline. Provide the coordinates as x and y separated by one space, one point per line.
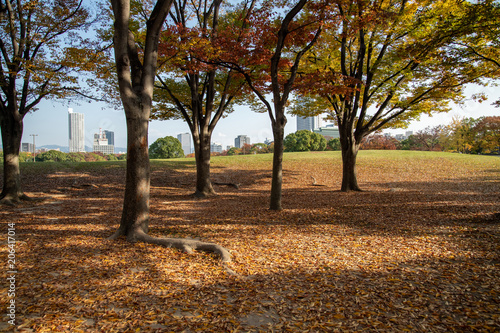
37 62
305 140
167 147
386 64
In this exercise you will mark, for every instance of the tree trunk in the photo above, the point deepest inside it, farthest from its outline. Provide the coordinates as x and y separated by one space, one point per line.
135 214
136 90
277 180
12 131
349 153
202 152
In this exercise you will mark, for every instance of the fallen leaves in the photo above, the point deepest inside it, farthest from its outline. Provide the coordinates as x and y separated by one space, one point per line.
423 258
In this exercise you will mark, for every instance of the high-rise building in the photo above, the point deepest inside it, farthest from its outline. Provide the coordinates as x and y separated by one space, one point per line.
241 140
185 139
308 123
110 136
101 143
76 132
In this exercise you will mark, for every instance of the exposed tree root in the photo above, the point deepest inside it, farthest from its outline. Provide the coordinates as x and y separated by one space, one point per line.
204 194
314 183
235 185
183 244
13 200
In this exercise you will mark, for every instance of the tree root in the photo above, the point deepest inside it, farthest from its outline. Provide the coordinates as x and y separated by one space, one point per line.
314 183
186 245
235 185
13 200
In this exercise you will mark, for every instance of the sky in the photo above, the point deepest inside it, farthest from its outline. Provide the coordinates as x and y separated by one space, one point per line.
50 122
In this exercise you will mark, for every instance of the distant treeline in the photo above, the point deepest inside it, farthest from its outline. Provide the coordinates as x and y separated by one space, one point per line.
469 135
59 156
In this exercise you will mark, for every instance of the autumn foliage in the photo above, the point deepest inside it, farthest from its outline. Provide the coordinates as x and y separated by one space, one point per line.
417 251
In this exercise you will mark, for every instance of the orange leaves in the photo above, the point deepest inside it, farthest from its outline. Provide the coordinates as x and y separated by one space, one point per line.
423 258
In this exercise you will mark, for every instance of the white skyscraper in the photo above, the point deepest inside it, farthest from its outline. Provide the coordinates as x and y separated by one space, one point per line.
185 139
76 132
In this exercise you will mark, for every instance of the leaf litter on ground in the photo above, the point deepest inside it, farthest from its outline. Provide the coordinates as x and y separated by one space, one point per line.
417 251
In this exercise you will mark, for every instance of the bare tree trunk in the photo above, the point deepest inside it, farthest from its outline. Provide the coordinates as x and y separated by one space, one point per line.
277 179
204 186
349 154
136 81
12 131
135 214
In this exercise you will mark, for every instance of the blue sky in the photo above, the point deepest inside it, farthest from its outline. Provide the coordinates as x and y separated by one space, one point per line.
50 122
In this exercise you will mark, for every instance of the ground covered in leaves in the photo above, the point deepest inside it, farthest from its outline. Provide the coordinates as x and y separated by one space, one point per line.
417 251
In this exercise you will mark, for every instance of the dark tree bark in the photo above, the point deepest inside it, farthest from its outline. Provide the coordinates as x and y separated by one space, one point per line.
281 94
136 82
277 175
12 131
350 148
204 186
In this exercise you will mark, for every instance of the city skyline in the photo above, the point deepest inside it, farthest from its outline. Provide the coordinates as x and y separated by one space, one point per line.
50 122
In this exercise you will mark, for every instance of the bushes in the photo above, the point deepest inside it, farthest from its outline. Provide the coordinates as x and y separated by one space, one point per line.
59 156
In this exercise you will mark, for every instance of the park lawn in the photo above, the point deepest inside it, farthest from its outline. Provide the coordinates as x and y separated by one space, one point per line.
417 250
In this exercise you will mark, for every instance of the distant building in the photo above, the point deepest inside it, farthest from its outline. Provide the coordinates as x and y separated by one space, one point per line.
241 140
185 139
76 131
27 147
101 143
308 123
110 136
329 131
216 148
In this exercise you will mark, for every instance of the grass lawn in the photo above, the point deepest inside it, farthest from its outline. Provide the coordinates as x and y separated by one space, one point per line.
417 250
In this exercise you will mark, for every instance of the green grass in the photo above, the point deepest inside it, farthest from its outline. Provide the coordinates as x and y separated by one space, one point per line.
366 158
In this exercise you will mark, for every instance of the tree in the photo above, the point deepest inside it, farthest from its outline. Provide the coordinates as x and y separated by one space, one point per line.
35 65
458 135
378 141
167 147
386 64
190 89
52 156
428 139
482 45
233 151
487 135
318 142
136 70
304 140
334 144
268 52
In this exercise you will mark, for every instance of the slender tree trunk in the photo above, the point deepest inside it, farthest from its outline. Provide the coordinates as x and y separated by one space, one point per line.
277 178
349 153
135 214
202 151
12 131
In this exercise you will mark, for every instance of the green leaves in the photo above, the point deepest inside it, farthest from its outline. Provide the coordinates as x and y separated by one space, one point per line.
167 147
304 140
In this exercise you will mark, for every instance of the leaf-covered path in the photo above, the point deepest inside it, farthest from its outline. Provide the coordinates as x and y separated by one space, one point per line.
417 251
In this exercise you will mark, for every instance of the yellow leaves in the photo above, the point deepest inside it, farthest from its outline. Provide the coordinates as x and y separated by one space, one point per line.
419 259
